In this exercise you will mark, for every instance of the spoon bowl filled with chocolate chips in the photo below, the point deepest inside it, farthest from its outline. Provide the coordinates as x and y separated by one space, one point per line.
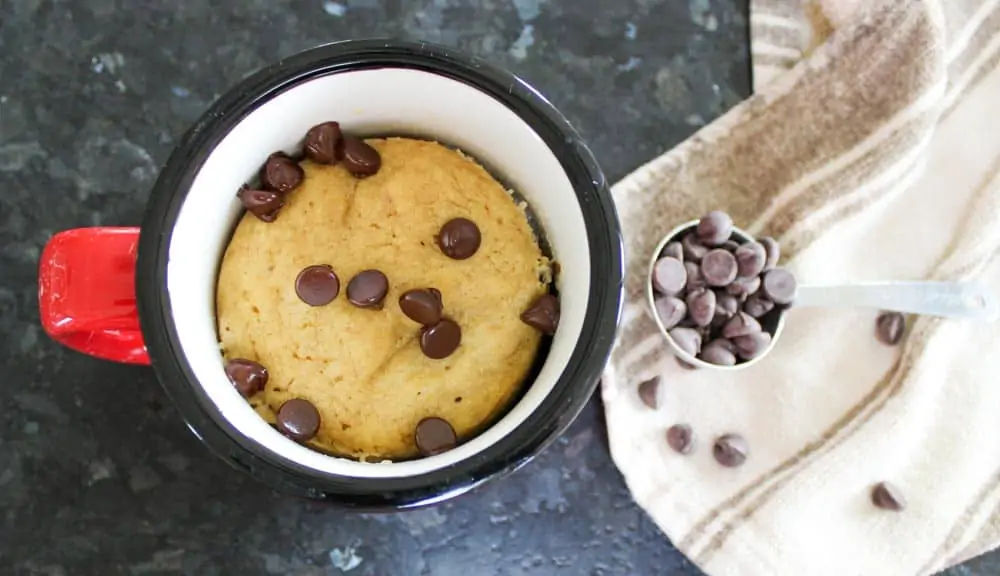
720 298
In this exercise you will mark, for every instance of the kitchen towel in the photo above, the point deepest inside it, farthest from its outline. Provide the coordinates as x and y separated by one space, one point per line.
871 151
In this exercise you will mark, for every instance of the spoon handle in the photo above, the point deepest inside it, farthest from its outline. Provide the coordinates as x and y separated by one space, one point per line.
948 299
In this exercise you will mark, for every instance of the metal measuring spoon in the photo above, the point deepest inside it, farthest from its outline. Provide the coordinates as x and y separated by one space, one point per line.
959 300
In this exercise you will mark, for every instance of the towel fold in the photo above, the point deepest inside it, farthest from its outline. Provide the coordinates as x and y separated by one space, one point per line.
871 151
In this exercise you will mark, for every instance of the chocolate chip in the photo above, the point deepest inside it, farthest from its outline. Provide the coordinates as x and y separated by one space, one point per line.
684 364
543 314
673 250
731 245
647 391
671 310
435 435
758 305
726 306
317 285
752 345
715 228
773 251
719 352
669 276
459 238
694 250
751 258
780 286
701 306
718 267
743 287
680 437
281 173
740 325
368 289
888 497
441 339
889 328
324 143
264 204
694 278
423 306
247 376
298 419
360 159
730 450
687 339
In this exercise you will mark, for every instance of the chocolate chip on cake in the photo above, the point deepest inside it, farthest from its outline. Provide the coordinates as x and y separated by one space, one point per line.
887 497
459 238
298 419
317 285
543 314
264 204
281 173
889 328
422 305
435 435
730 450
715 228
671 310
669 276
324 143
368 289
247 376
647 391
440 340
680 437
360 159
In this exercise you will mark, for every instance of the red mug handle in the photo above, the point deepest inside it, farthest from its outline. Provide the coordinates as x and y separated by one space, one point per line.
86 293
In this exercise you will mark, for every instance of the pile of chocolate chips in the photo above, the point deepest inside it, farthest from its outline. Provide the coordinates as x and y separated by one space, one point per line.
318 284
717 296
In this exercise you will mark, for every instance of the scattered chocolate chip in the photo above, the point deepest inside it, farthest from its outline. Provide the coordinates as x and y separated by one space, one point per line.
281 173
360 159
669 276
694 278
324 143
673 250
298 419
694 250
780 286
730 450
687 339
543 314
773 251
423 306
435 435
889 328
751 258
459 238
647 391
247 376
740 325
715 228
317 285
718 267
264 204
368 289
758 305
701 306
888 497
671 311
719 352
680 437
743 287
752 345
440 340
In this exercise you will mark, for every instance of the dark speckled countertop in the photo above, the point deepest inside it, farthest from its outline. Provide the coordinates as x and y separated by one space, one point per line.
98 474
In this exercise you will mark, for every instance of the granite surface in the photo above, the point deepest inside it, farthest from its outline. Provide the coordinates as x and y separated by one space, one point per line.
98 475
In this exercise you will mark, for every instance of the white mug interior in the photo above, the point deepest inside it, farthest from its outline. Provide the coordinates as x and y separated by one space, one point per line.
376 101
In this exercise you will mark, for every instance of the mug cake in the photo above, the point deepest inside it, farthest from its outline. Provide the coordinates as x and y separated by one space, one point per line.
381 299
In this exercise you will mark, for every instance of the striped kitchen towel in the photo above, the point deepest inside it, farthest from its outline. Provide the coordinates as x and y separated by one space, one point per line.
871 151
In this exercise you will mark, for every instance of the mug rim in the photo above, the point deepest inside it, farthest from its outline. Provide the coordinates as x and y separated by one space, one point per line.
558 409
